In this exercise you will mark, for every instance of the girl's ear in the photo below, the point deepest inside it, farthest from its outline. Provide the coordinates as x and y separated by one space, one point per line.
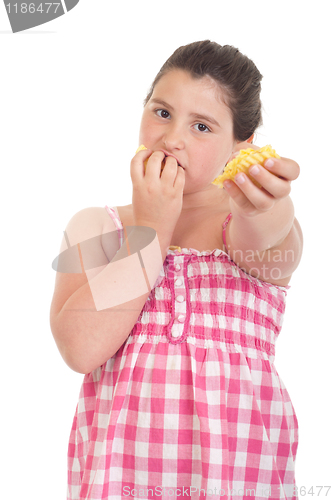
241 145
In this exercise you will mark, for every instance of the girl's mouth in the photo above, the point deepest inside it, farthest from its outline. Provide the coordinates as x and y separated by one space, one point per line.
169 154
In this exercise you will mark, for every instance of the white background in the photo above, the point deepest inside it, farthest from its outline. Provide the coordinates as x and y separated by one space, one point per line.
71 101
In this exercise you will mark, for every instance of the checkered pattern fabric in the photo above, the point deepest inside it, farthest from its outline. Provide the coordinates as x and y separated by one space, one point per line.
191 406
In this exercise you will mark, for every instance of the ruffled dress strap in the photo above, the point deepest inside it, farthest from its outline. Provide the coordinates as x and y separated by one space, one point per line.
228 218
114 214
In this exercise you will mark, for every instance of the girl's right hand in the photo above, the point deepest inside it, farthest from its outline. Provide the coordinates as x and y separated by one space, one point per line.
157 199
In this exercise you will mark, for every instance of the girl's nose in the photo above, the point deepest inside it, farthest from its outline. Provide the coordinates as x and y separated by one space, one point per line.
173 138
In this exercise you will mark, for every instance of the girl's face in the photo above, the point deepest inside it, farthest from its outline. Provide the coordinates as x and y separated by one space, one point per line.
187 118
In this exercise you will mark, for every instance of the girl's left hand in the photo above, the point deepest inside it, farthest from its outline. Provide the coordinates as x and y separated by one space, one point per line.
249 200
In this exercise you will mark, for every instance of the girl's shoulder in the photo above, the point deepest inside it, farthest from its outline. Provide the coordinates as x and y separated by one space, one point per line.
125 213
87 223
84 224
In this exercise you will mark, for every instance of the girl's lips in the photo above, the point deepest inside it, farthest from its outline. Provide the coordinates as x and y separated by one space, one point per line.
169 154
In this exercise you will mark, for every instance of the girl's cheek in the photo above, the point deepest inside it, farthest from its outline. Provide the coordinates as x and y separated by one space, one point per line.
148 125
147 131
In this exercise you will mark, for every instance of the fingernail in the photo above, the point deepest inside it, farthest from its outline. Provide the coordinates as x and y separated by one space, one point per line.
240 179
227 184
254 170
269 163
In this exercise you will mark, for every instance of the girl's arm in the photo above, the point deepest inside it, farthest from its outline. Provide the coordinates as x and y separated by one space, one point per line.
87 327
263 235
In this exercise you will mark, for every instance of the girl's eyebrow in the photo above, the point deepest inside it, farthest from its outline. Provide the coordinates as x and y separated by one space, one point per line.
205 118
162 103
198 116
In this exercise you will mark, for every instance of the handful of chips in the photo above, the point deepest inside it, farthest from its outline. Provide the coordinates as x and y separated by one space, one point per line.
243 161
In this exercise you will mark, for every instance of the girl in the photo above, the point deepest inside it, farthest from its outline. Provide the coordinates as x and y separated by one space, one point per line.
181 396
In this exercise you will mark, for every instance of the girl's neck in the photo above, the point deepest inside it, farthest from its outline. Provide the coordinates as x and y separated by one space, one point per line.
214 200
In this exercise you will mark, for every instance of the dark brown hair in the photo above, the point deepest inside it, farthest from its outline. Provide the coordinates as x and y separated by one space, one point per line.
236 74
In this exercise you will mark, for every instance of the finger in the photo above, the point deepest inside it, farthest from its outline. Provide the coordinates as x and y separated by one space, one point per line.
283 167
170 169
154 165
275 186
137 164
239 197
247 195
180 179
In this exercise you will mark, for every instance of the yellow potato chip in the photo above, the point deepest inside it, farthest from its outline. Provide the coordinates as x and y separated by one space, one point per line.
141 148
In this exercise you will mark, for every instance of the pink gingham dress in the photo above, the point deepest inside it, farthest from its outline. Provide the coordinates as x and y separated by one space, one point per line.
191 405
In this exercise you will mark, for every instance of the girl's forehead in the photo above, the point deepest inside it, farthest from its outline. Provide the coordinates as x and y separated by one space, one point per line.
180 86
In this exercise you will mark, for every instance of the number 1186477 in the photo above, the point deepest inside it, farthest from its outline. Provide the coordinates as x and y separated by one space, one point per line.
31 8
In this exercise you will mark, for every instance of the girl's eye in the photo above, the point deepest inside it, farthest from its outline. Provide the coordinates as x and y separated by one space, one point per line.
162 113
202 128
